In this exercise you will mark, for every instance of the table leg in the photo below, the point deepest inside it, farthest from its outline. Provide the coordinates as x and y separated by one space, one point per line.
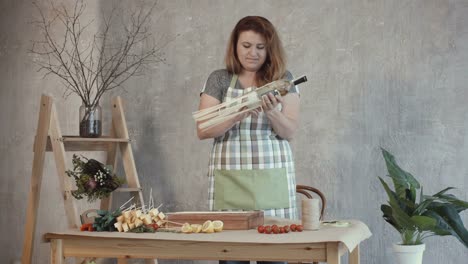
354 256
122 261
333 254
56 251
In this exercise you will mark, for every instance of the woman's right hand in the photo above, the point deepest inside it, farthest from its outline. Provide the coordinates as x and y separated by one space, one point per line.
207 101
253 112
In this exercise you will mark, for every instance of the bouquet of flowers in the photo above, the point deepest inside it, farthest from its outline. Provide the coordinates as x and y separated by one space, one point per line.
93 179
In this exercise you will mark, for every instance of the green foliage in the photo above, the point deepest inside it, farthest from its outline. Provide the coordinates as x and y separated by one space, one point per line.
416 219
106 220
142 229
93 179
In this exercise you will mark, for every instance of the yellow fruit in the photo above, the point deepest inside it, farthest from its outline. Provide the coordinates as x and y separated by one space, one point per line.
218 225
196 228
208 227
186 228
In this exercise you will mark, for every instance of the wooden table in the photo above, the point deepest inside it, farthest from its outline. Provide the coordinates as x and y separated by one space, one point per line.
226 245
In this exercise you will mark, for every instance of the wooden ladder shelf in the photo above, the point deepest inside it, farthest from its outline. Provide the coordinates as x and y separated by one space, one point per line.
50 138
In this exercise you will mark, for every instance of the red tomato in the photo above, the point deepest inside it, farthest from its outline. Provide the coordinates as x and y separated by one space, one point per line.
286 229
281 231
267 229
293 227
86 227
275 229
299 228
261 229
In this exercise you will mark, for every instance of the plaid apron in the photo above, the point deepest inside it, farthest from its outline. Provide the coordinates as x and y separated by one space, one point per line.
249 145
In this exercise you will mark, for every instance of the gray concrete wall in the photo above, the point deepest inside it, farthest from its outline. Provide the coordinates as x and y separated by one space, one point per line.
381 73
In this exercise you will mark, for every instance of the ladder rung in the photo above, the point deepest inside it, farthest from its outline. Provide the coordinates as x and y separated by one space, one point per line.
74 143
99 139
127 190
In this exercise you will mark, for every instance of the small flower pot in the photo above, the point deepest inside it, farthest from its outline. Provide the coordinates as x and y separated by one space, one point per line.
409 254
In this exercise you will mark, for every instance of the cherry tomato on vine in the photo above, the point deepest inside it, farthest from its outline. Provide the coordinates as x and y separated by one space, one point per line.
293 227
261 229
299 228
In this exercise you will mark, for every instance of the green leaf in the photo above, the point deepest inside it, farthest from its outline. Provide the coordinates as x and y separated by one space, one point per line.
410 237
116 213
401 218
443 191
388 216
411 195
102 212
424 223
423 205
452 199
449 220
401 179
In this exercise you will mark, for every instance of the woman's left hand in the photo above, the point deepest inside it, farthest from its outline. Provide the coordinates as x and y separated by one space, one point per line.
270 101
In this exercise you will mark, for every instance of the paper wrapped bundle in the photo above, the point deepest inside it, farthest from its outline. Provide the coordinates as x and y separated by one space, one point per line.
217 114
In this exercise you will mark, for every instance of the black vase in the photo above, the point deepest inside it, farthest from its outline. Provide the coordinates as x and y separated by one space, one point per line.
90 121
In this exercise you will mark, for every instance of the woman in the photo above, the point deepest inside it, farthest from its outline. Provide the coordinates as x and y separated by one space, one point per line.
251 165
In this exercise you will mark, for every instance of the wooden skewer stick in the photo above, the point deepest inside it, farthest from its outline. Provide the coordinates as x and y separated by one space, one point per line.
226 105
229 110
218 120
129 208
172 222
127 202
150 199
221 105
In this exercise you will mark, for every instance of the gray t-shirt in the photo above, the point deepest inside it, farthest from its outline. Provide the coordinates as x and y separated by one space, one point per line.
218 83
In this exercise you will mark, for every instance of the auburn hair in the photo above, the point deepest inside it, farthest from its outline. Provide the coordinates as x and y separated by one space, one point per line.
274 67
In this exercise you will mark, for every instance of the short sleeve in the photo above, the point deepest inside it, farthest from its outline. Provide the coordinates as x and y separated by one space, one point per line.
294 88
216 85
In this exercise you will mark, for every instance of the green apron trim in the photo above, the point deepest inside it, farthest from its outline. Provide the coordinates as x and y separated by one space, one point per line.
251 189
233 81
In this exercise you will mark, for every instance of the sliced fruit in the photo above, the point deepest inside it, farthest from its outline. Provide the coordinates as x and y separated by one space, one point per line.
208 227
196 228
218 225
186 228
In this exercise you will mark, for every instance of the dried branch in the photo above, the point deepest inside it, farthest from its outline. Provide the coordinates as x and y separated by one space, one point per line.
95 67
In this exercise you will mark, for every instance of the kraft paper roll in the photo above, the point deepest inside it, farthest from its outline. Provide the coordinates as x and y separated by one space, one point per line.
311 214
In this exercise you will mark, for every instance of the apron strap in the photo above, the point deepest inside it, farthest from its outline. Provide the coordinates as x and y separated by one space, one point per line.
243 149
233 81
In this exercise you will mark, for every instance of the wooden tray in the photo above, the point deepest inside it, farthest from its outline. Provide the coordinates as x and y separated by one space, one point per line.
232 220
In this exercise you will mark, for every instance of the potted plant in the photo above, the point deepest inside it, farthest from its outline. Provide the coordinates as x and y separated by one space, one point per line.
90 64
419 216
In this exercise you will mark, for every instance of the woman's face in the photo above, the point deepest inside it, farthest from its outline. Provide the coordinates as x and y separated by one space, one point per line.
251 50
